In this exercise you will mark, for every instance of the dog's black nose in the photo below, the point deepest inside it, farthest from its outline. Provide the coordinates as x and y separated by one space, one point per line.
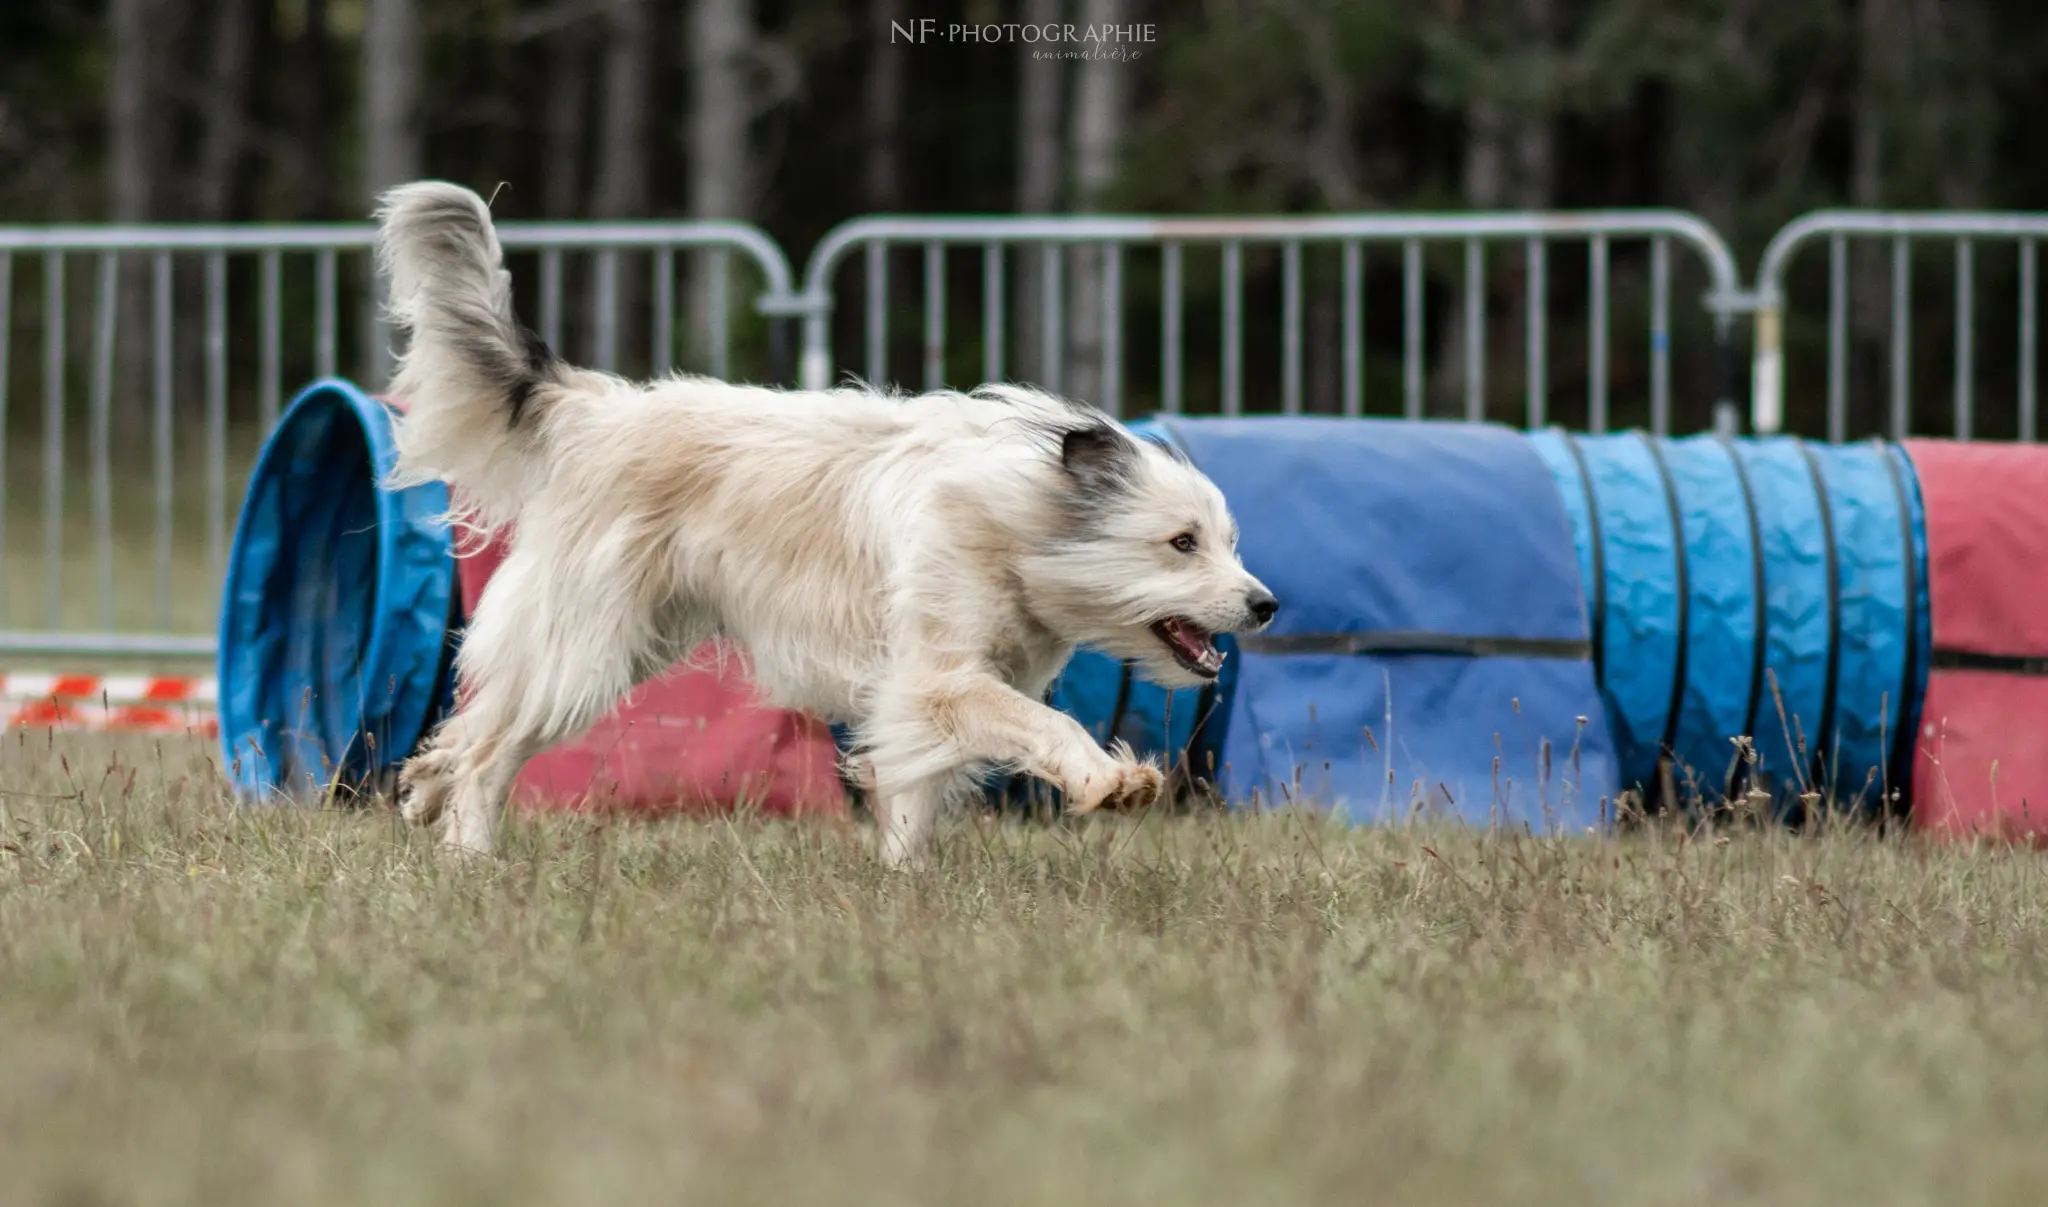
1263 606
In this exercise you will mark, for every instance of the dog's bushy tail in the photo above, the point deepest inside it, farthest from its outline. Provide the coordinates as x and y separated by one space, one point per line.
473 382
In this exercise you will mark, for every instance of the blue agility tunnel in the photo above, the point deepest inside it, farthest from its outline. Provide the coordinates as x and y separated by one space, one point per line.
1433 647
1768 588
336 625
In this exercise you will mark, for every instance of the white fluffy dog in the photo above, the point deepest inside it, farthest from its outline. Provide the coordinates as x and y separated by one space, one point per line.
919 568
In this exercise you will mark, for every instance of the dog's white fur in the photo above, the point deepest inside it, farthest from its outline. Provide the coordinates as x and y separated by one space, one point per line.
920 568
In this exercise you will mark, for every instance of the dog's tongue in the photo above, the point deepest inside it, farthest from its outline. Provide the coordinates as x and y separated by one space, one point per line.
1193 641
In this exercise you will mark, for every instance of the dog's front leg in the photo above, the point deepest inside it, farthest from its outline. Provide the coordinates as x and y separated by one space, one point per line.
906 813
945 722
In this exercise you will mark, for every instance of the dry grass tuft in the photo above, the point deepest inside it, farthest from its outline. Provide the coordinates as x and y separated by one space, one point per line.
199 1004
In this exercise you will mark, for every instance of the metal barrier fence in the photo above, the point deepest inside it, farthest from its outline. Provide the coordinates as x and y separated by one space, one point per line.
1537 233
144 395
1842 229
184 355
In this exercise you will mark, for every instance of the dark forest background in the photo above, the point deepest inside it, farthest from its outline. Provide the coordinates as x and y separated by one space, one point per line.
797 114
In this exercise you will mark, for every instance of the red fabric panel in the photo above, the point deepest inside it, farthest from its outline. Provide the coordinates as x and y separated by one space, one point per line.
1981 766
692 740
1987 544
1982 763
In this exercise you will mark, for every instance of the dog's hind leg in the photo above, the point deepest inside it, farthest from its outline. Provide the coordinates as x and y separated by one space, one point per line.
511 718
487 766
548 651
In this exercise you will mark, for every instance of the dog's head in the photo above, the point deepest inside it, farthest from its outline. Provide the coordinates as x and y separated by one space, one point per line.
1145 568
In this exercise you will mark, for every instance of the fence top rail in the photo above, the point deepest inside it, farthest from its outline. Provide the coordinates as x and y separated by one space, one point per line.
359 236
1080 228
1901 224
57 644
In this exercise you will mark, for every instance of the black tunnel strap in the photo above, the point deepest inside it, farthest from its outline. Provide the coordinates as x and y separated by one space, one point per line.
2029 665
1825 736
1123 702
1759 587
1598 619
1198 736
1901 753
444 666
1683 588
1400 641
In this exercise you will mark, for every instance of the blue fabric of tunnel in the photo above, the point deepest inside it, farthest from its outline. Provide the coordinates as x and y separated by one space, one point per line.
1714 507
1831 697
1878 621
1798 619
1380 530
1638 630
338 611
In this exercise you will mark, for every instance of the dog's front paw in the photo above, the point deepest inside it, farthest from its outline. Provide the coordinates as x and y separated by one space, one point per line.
1118 787
424 786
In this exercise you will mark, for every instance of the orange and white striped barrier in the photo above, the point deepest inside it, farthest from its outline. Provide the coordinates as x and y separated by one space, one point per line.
110 703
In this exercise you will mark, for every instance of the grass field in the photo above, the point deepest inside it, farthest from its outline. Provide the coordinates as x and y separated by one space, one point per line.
203 1005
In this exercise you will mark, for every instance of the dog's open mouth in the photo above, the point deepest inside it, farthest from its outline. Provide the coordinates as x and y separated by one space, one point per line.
1190 644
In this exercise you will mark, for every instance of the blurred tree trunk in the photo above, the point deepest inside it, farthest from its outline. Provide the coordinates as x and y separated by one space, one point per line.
1957 155
314 133
1101 111
1727 123
1535 143
1951 45
224 139
225 143
1322 393
1484 174
565 124
621 188
1877 72
721 46
1332 169
1482 181
1924 124
1332 157
134 112
392 151
1509 163
882 117
1038 186
1532 185
392 64
565 138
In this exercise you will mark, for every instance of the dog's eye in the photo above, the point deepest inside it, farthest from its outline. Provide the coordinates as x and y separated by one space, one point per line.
1185 542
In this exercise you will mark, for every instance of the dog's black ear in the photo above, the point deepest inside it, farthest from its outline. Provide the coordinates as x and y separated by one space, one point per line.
1166 446
1098 457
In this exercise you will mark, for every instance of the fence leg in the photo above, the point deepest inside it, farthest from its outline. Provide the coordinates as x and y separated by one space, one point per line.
817 347
1767 382
1727 415
779 368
